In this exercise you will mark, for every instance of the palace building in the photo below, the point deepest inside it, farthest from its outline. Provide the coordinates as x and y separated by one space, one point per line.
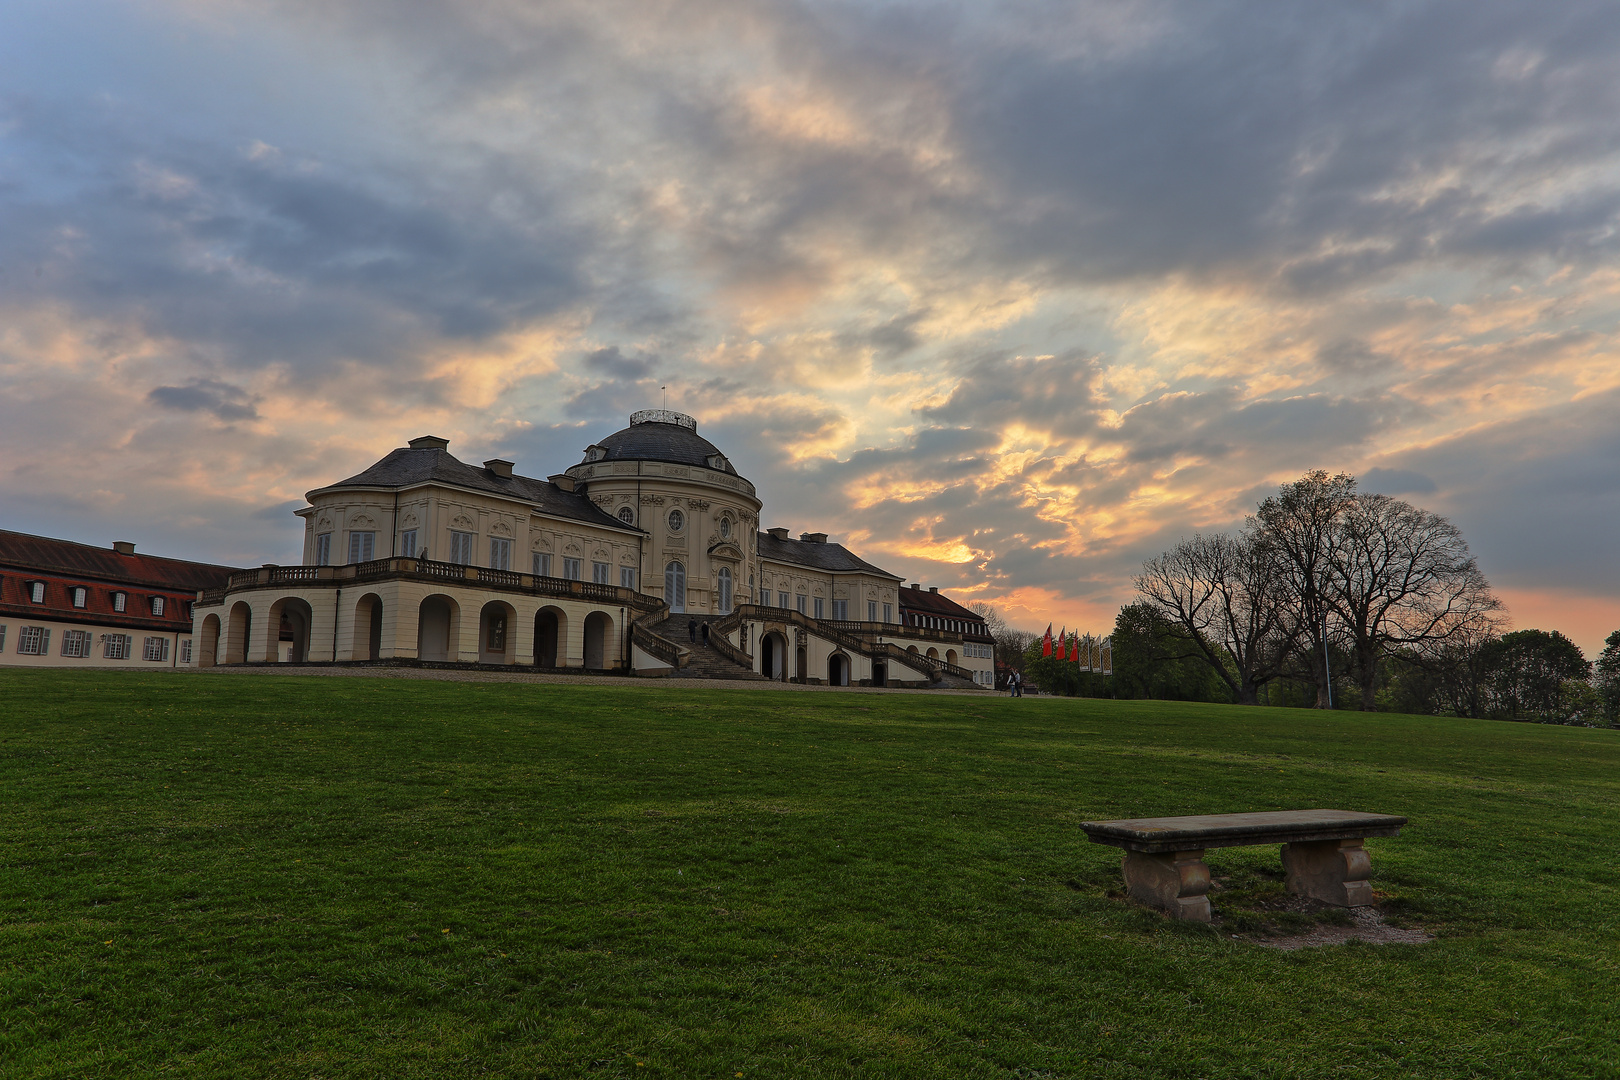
644 558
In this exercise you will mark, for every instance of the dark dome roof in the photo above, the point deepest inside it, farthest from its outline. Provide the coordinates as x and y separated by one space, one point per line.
671 437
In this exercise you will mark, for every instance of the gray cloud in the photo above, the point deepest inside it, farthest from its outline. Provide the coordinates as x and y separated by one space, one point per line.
213 396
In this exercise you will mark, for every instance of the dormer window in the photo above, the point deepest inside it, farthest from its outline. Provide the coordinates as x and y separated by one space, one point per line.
36 592
157 605
717 461
595 453
120 601
80 596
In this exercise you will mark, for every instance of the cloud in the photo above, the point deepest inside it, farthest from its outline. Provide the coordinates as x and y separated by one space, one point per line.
223 400
1009 296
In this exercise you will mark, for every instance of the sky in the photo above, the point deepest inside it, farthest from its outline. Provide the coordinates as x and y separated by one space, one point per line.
1008 297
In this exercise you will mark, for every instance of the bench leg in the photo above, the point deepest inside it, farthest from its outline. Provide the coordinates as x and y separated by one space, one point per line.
1332 871
1175 881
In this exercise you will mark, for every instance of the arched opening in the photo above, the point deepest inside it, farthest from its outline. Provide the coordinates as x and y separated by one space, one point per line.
675 586
289 625
911 648
438 629
496 643
933 653
208 647
598 632
773 656
837 670
880 673
799 665
550 631
950 656
368 611
238 633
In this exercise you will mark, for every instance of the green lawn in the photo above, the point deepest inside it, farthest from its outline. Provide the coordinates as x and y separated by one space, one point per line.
227 875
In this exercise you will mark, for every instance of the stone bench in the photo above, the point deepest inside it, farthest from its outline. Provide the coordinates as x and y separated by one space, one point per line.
1322 853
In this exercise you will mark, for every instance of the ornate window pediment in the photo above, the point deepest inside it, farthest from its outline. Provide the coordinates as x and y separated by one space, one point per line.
500 528
362 521
725 549
463 523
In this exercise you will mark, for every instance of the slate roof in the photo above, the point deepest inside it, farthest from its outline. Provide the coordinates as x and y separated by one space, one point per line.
22 551
651 441
406 467
816 556
932 603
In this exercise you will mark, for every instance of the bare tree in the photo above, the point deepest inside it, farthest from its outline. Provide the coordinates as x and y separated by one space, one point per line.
1231 598
1395 575
1301 523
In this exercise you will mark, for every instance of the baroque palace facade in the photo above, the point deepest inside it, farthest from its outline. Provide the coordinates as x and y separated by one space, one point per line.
644 558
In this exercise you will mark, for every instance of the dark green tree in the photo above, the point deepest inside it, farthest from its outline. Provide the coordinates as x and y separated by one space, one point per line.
1527 672
1607 679
1153 658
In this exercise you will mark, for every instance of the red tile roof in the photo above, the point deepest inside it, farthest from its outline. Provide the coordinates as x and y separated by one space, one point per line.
24 552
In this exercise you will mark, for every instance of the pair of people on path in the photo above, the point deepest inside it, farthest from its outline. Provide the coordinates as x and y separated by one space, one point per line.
692 631
1015 685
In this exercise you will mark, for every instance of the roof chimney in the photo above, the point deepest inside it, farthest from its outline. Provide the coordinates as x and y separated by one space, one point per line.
813 538
430 442
778 534
916 585
124 547
933 588
499 467
563 481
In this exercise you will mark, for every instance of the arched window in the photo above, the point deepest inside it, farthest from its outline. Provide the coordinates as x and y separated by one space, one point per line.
725 590
675 586
677 521
627 515
725 528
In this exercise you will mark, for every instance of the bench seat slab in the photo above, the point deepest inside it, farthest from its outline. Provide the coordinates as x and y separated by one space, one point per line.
1201 832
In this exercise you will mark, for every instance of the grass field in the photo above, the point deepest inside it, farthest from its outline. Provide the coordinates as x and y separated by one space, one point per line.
229 875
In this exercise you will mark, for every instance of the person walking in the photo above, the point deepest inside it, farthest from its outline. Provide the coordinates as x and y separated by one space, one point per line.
705 635
691 630
1012 684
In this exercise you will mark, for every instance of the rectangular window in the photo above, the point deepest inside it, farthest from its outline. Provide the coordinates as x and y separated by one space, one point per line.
601 573
185 651
33 641
116 646
76 643
407 543
323 549
80 595
36 591
500 553
871 611
120 601
157 605
362 546
571 569
542 564
627 577
782 599
840 609
2 637
802 603
155 648
819 605
461 548
888 613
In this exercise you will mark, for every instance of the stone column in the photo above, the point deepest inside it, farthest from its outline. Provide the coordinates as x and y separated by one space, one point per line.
1174 881
1332 871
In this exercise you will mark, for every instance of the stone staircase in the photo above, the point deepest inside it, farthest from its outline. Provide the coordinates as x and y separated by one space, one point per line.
704 663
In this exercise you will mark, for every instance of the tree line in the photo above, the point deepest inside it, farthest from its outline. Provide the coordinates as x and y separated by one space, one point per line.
1333 597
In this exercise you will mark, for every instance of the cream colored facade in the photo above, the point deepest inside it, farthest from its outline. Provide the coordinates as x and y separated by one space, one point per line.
429 559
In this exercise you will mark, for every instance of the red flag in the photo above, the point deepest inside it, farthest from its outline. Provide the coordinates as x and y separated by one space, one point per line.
1046 642
1063 644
